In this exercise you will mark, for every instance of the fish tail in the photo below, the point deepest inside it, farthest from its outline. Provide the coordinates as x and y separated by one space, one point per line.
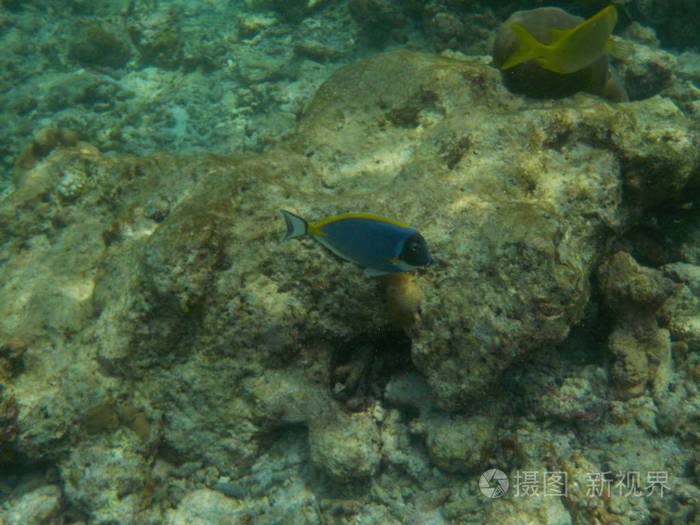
296 226
528 47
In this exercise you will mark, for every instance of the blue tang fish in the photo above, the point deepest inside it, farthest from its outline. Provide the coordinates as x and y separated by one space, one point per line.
378 244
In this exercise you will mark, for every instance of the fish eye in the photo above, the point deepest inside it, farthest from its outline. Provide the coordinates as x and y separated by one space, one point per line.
415 251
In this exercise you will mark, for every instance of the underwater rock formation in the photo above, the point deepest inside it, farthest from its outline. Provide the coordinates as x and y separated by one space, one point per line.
161 318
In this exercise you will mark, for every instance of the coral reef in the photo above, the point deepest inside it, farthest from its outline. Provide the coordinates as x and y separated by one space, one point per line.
194 338
122 72
45 141
99 47
164 359
125 73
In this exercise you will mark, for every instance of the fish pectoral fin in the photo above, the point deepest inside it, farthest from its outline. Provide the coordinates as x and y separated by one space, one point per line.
373 272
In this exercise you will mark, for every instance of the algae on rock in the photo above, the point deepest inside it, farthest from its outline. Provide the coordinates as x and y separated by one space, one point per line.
175 295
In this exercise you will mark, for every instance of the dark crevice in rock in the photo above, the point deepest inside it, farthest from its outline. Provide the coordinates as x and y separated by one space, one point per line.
361 366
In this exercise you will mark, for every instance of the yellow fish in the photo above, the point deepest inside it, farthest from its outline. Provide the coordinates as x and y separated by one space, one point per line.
570 49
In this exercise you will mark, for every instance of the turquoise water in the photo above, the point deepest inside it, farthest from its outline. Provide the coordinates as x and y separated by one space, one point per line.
164 358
